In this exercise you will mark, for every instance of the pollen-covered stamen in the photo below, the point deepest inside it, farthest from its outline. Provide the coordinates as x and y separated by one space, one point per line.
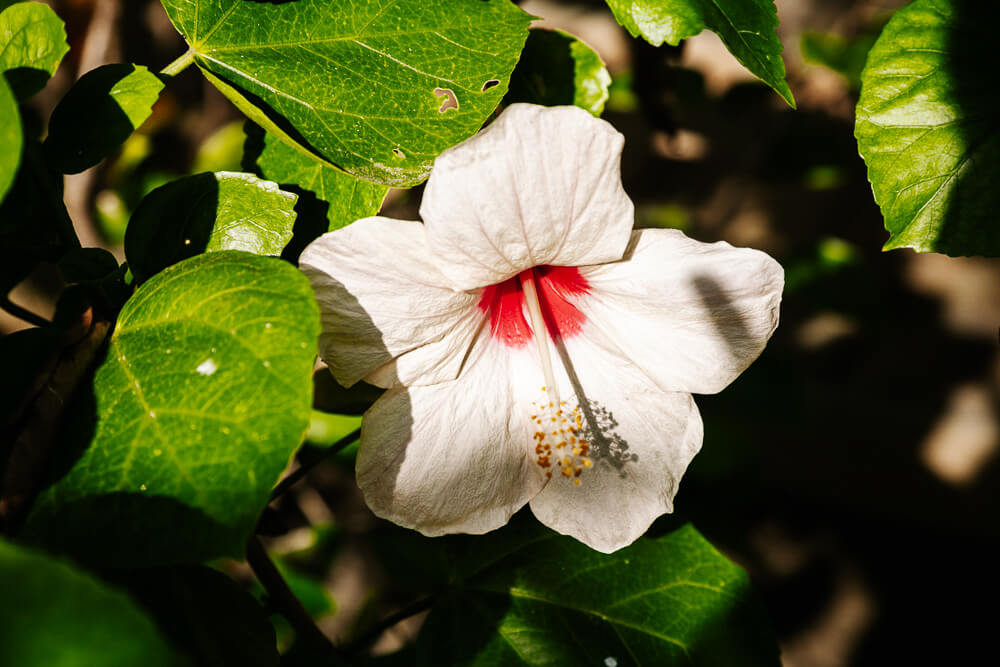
559 443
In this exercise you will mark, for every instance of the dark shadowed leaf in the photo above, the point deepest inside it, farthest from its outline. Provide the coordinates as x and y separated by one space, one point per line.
205 614
98 114
34 224
208 213
926 127
53 614
378 89
746 27
202 398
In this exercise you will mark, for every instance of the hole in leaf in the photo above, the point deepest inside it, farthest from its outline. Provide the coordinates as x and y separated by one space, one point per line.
398 153
489 84
449 101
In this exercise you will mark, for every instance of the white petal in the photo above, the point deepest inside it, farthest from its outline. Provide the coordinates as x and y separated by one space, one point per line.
692 315
540 185
453 457
641 442
388 314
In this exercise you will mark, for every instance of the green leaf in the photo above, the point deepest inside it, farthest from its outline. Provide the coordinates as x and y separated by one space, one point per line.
328 197
528 597
208 213
115 98
746 27
205 614
377 89
34 224
87 265
53 614
11 138
925 125
32 44
556 68
201 400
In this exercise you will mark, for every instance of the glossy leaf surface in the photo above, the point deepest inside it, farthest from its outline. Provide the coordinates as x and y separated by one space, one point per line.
530 597
378 89
746 27
53 614
208 213
201 400
925 125
115 98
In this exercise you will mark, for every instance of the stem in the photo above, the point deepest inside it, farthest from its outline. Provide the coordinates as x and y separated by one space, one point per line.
282 598
412 609
179 65
23 313
304 469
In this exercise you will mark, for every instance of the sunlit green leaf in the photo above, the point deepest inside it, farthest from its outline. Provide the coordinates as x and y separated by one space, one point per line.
114 99
53 614
926 127
337 198
208 213
32 44
557 68
10 138
526 596
746 27
378 89
202 398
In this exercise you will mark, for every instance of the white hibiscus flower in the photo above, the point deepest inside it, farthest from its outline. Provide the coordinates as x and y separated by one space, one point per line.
536 349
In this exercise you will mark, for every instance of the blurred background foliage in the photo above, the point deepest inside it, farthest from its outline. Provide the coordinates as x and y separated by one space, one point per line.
852 470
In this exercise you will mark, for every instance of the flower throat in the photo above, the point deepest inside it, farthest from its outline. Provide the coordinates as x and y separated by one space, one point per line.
543 291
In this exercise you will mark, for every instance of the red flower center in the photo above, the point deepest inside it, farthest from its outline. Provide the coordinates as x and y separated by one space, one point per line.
504 302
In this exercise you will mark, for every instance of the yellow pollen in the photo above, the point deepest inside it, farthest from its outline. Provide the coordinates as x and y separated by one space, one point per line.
572 459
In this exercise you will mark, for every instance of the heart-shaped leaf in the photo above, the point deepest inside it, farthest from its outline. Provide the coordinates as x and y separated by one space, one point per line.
203 396
926 127
524 595
377 89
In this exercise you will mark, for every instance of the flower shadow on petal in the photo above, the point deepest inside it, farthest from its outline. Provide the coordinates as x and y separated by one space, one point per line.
729 321
607 446
402 426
